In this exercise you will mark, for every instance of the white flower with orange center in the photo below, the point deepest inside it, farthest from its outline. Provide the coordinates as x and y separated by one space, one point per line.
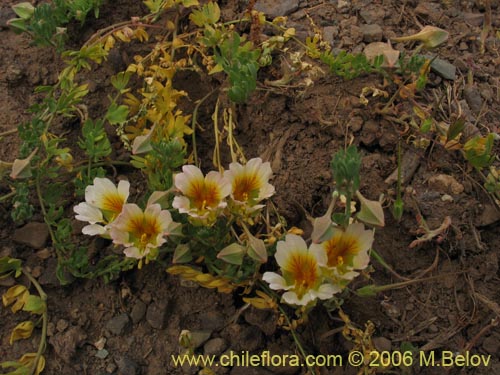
203 196
103 203
250 183
347 250
301 272
142 232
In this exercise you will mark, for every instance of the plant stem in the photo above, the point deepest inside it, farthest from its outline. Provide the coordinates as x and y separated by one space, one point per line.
43 339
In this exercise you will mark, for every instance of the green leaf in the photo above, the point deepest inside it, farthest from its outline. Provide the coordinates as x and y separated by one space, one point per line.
208 14
9 265
182 254
120 81
232 254
371 212
117 114
24 10
35 305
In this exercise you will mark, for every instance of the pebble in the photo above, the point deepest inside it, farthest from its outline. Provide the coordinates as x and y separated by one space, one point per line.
61 325
474 19
111 368
330 34
213 321
382 344
118 324
65 344
138 311
491 344
372 15
13 74
473 99
126 365
102 354
370 129
274 8
156 315
265 320
444 69
489 215
243 337
445 184
34 235
215 346
371 33
198 338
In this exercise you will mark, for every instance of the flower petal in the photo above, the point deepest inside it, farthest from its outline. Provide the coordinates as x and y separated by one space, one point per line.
86 212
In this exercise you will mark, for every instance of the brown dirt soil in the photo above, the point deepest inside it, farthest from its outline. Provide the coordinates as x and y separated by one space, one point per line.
140 315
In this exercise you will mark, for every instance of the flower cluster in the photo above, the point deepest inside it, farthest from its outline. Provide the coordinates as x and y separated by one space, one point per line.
108 214
205 197
323 269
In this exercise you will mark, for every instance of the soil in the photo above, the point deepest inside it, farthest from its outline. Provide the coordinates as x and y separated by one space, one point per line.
137 319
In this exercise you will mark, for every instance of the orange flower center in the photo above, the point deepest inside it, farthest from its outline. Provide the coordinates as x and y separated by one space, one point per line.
205 195
243 187
112 203
144 231
339 248
303 270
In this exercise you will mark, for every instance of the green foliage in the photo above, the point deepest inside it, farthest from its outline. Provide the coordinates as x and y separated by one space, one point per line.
346 165
240 61
160 163
349 65
478 150
94 140
45 22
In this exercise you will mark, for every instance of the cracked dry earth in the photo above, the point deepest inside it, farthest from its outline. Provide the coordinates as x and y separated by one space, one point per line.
131 325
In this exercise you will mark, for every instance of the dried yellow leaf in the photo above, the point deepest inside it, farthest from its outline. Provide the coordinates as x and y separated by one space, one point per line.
22 331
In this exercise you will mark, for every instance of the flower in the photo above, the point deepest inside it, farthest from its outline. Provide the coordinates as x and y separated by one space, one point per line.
250 183
347 250
203 196
301 269
103 203
142 232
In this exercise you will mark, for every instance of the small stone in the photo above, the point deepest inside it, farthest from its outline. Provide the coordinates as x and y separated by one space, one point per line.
13 74
489 215
51 329
447 198
343 6
214 346
355 123
156 315
213 321
275 9
43 254
243 337
474 19
491 344
36 272
34 235
473 98
382 344
445 184
61 325
102 354
369 136
330 33
372 15
198 338
138 311
371 33
126 366
443 68
118 324
111 368
265 320
66 343
101 343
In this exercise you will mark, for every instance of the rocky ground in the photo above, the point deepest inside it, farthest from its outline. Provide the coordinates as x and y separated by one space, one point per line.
132 325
